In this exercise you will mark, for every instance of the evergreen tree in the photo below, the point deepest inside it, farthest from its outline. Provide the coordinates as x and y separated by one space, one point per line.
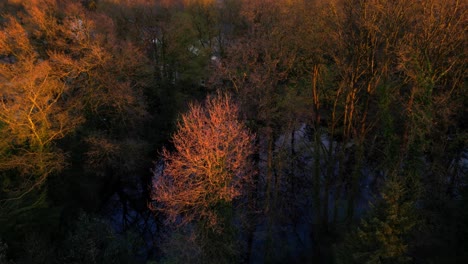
382 236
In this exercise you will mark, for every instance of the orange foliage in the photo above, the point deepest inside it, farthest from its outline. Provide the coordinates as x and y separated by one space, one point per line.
199 2
35 110
210 166
56 62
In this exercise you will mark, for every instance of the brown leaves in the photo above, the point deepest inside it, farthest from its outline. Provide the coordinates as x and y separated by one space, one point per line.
14 40
34 115
211 163
59 61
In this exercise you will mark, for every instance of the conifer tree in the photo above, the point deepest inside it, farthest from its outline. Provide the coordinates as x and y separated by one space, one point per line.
382 236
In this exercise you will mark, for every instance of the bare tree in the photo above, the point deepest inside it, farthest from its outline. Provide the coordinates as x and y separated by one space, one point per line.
211 164
35 110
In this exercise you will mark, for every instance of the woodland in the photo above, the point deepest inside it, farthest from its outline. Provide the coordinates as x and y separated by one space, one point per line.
233 131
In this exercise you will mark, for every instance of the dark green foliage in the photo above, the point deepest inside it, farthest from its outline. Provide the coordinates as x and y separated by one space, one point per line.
28 225
383 236
220 245
200 243
93 241
87 240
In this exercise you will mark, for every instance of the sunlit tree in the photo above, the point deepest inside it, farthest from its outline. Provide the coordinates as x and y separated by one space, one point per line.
36 110
210 166
59 67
